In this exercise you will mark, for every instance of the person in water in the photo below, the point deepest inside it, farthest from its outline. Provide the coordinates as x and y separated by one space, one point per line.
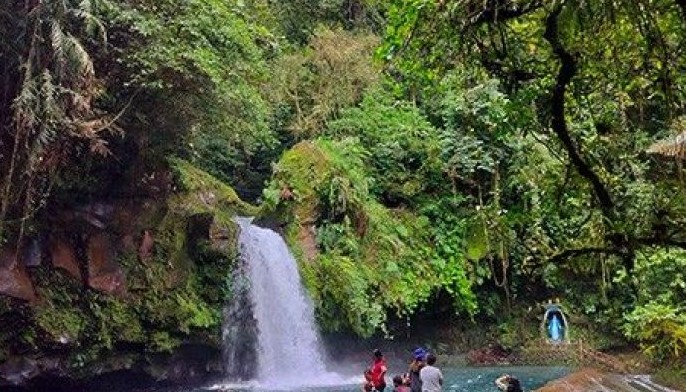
399 384
418 358
431 376
508 383
378 371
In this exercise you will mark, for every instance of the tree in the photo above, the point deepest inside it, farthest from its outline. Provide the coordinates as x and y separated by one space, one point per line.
47 106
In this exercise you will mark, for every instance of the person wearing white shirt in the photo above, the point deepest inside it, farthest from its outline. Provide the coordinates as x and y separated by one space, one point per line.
431 376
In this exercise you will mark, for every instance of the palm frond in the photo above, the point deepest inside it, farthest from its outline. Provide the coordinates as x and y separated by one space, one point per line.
78 56
24 105
57 42
91 22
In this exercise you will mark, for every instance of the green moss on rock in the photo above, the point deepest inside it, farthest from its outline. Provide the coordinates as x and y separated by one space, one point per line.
175 294
200 192
359 258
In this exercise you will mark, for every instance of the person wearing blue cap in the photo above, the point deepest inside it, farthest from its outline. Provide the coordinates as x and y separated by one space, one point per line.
418 362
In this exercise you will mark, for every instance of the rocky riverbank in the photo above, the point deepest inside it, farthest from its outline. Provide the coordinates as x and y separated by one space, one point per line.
590 379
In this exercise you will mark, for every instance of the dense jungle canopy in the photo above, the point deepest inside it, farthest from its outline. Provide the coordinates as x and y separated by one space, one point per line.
479 156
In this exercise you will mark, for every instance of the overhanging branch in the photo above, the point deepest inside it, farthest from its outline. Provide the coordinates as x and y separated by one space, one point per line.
568 68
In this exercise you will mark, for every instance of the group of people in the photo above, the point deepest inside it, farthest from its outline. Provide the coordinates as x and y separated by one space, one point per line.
422 376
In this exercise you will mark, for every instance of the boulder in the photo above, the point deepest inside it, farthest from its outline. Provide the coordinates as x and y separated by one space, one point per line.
221 238
64 257
17 371
492 355
104 274
14 280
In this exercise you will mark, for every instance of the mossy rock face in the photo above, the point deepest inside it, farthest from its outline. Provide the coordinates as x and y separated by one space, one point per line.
200 192
176 290
359 259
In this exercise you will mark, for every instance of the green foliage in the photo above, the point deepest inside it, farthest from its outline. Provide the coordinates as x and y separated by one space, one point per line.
61 324
503 158
314 84
660 328
658 321
48 111
114 321
193 312
573 209
59 315
371 259
298 20
403 148
161 341
198 83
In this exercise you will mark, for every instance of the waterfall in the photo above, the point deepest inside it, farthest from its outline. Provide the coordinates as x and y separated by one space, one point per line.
288 349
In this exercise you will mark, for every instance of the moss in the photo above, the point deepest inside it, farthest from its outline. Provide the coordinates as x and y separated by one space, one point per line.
200 192
58 313
174 297
373 258
62 324
114 320
162 341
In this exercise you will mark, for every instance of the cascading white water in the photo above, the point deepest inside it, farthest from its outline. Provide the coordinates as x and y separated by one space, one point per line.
288 345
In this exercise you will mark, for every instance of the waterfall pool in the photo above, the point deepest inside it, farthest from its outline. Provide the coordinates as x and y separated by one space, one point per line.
284 350
468 379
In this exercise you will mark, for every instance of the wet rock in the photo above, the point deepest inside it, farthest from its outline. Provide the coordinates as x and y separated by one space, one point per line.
189 365
96 214
590 379
221 238
14 280
17 371
104 274
63 257
491 355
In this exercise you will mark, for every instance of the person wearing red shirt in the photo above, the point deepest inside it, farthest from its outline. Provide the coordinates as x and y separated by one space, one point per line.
378 371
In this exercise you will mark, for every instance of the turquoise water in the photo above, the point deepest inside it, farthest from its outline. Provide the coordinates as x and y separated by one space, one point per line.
456 380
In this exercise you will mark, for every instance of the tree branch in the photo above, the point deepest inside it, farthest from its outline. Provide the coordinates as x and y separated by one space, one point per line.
495 11
657 241
568 68
569 253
